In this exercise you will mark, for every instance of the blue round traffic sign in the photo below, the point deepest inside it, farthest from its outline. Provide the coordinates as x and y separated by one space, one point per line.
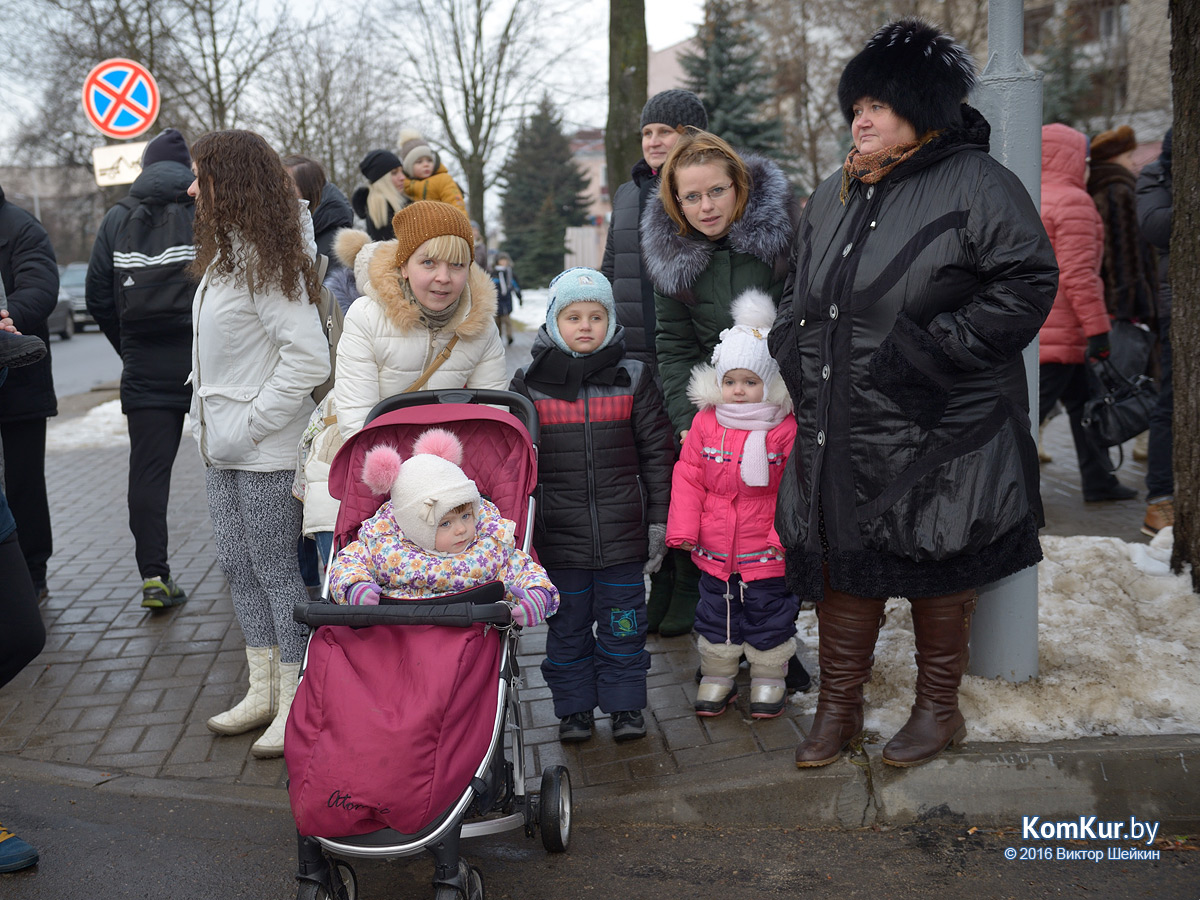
120 98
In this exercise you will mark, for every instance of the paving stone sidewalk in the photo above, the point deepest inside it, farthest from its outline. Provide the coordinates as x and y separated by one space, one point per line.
127 691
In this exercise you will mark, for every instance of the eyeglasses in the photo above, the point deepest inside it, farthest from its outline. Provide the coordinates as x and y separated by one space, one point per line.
714 194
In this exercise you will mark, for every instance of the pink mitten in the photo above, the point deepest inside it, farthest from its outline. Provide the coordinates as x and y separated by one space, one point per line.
363 593
529 605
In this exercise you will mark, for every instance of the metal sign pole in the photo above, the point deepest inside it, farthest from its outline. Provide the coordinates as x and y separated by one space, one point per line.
1004 637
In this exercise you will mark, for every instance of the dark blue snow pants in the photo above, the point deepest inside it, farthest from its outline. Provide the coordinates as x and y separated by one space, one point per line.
605 667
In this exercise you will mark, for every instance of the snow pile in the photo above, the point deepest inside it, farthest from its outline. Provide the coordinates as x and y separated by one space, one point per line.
530 311
102 426
1118 639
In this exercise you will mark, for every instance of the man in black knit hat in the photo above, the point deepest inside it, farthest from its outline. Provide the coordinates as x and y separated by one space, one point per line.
140 293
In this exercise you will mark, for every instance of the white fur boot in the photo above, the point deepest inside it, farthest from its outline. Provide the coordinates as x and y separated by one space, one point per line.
718 668
768 671
271 743
257 708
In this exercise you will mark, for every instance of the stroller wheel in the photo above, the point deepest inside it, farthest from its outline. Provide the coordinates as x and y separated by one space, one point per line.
472 879
554 809
343 883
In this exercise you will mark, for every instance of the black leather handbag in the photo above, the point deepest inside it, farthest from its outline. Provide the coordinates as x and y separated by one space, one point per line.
1123 396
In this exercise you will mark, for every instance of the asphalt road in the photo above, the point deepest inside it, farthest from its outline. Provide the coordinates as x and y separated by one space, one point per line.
85 361
100 842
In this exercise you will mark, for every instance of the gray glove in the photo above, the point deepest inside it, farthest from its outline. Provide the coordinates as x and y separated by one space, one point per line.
656 536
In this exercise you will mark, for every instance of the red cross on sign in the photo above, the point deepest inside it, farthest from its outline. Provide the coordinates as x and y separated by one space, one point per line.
120 98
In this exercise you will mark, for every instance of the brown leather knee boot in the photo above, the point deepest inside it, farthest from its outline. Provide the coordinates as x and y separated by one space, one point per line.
847 627
942 626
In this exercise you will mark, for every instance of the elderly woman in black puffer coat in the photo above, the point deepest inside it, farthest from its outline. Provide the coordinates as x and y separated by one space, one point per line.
919 272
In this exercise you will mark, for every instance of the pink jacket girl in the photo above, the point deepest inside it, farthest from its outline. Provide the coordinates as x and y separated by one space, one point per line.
723 494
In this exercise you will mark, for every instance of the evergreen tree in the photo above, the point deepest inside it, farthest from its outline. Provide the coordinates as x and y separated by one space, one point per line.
728 75
543 196
1066 83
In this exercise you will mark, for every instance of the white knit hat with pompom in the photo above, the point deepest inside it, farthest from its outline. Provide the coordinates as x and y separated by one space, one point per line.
744 346
425 487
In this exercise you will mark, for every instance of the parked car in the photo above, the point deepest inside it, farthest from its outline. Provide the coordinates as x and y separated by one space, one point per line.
72 279
62 319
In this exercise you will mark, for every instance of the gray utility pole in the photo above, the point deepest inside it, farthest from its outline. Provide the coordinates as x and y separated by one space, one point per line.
1004 638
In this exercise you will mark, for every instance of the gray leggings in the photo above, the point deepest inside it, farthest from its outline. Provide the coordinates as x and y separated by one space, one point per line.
256 523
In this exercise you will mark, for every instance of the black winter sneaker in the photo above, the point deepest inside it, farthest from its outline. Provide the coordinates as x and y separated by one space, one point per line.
20 349
162 593
628 725
575 727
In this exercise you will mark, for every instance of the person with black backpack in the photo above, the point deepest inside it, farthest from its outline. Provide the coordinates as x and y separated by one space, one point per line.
140 294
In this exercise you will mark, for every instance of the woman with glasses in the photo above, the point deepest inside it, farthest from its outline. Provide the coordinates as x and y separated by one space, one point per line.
720 225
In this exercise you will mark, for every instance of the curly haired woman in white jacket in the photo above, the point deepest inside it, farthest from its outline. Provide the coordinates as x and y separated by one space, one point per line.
421 294
258 350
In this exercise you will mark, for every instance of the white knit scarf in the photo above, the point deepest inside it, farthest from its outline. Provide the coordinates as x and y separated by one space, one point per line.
758 419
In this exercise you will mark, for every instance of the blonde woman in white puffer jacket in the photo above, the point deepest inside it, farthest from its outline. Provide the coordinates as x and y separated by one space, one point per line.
421 294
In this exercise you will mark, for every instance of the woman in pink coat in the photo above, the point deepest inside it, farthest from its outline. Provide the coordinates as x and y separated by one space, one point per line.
1077 328
723 494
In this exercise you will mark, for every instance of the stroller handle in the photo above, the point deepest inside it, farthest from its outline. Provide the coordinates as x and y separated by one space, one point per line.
518 404
459 615
484 604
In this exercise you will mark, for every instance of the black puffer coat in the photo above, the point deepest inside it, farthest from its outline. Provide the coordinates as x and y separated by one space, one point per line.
156 354
623 267
1154 206
604 459
899 336
332 214
30 275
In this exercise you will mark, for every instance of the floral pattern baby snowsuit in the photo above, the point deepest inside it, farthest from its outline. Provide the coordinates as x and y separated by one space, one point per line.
403 569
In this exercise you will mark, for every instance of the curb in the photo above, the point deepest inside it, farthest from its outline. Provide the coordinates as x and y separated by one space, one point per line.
988 785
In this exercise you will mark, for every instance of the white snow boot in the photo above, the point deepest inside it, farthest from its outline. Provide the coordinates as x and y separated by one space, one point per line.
718 668
271 743
768 674
257 708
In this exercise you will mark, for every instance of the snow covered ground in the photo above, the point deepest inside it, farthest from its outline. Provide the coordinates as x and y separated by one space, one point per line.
1119 635
1118 640
531 311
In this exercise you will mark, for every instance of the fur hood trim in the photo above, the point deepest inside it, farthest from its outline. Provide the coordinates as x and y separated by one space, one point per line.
347 243
475 314
704 390
675 261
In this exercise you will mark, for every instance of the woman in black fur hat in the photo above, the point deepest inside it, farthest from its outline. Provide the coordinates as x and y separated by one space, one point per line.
919 272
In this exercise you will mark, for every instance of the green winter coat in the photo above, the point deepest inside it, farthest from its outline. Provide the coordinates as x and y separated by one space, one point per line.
696 280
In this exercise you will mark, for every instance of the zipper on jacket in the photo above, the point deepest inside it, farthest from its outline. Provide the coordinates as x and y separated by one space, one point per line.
591 474
197 381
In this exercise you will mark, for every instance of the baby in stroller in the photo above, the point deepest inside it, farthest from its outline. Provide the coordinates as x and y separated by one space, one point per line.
435 536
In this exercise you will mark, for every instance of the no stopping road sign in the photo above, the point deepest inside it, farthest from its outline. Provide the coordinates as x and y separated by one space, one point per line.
120 98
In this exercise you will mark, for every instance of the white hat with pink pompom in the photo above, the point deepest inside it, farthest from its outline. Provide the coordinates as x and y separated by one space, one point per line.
425 487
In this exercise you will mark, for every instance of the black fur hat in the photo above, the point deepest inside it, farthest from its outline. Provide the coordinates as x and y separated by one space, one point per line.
921 73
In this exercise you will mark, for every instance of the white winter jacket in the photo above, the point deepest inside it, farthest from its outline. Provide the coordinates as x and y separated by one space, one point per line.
384 347
256 357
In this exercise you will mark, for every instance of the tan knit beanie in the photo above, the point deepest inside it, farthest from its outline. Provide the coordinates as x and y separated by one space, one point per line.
425 219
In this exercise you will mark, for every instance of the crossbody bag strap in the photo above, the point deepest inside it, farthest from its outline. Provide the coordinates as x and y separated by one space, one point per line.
433 367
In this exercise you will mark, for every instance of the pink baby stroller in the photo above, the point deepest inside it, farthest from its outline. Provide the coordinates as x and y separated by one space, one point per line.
396 740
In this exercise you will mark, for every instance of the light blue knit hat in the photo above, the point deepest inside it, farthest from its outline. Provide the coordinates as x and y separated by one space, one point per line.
578 285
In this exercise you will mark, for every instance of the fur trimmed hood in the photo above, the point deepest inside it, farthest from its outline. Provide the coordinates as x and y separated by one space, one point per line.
378 277
704 390
674 261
